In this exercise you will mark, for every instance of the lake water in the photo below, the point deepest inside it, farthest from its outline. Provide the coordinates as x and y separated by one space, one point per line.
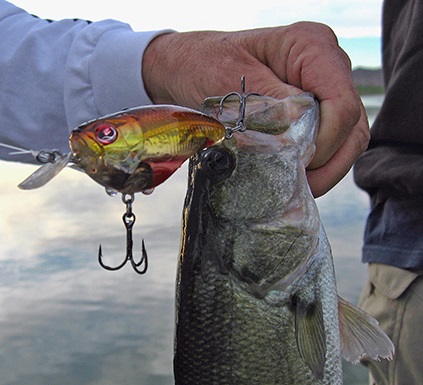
66 321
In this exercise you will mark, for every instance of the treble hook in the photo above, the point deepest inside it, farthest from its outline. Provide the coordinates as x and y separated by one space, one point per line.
240 123
128 220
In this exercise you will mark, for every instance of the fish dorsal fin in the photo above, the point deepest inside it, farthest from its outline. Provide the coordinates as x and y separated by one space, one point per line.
361 335
310 336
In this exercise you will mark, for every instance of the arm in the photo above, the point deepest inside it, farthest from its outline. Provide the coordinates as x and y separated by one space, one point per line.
56 75
94 69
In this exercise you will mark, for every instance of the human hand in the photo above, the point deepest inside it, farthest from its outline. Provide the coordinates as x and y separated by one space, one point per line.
185 68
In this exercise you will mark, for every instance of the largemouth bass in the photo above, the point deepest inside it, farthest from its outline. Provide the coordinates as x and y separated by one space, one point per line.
256 298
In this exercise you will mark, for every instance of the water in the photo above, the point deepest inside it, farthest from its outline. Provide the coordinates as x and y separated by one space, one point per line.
64 320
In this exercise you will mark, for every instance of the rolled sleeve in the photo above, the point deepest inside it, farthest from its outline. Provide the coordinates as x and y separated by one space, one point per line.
55 75
104 71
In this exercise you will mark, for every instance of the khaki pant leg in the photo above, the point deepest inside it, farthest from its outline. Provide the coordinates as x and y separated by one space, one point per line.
395 298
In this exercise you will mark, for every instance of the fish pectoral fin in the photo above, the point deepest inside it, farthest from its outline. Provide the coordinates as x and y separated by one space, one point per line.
310 335
361 335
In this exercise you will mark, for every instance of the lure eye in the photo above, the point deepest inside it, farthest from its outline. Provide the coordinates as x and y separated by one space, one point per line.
217 163
106 133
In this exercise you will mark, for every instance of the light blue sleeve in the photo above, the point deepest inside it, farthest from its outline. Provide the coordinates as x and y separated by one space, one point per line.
55 75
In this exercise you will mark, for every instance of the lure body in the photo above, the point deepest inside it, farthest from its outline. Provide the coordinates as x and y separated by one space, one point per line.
137 149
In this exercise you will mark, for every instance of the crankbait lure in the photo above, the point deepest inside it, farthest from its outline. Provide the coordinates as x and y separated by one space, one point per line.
135 150
130 151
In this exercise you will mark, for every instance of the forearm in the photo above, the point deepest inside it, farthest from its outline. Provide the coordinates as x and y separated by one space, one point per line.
56 75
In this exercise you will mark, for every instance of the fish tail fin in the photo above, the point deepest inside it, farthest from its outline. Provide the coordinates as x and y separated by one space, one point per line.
361 335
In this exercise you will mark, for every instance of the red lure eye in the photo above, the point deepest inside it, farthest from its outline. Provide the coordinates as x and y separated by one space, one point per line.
106 134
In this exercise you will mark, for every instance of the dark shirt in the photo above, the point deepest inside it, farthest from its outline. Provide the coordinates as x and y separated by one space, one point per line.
391 170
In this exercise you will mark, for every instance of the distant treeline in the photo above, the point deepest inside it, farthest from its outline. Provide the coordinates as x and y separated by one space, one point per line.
369 81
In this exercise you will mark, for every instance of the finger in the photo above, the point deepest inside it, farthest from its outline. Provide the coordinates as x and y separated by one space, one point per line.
338 119
315 63
323 178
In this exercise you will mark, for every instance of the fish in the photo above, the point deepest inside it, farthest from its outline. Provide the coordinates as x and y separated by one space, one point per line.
256 298
133 150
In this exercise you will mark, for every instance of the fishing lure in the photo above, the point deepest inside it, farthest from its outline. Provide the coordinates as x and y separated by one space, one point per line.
135 150
130 151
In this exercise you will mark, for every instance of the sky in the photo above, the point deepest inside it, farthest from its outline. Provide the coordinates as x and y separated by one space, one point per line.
355 22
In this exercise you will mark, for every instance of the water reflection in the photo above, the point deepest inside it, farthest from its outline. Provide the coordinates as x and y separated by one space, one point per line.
64 320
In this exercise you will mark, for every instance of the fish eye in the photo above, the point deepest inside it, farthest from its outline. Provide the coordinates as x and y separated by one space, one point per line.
217 163
106 133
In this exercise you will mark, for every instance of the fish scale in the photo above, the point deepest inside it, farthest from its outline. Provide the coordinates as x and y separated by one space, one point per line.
227 336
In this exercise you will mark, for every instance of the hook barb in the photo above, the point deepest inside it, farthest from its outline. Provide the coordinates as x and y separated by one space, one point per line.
106 267
143 260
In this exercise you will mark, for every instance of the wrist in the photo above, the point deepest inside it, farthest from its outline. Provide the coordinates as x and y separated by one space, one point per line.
154 69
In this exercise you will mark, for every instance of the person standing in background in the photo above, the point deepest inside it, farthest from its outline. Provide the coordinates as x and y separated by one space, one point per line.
391 171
